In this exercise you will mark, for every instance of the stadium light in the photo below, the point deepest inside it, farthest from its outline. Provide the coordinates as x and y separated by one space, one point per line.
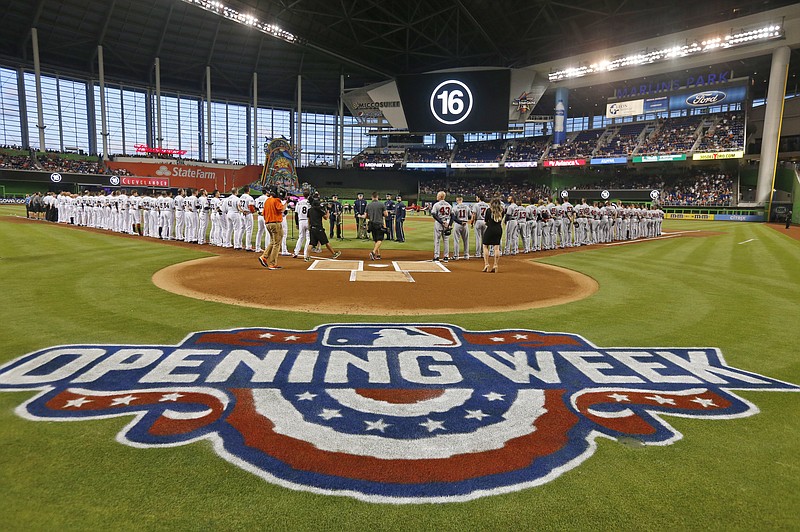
246 20
744 36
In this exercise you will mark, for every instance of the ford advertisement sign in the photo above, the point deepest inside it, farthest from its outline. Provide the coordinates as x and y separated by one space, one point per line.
694 100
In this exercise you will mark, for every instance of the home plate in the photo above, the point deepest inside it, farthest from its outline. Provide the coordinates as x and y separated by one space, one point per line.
384 276
419 266
378 265
337 265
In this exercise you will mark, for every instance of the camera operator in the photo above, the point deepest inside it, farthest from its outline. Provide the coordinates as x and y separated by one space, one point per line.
376 224
316 230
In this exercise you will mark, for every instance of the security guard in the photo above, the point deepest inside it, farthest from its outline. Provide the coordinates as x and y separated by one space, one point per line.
360 210
399 218
389 205
335 211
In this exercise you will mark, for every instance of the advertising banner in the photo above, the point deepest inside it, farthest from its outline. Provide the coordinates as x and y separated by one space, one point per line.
739 217
711 156
522 164
629 108
608 160
688 216
659 158
474 165
565 162
655 105
699 99
425 166
161 182
208 176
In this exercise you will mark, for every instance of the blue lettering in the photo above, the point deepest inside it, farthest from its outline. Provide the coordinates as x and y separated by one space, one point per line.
689 82
723 76
700 81
712 78
642 89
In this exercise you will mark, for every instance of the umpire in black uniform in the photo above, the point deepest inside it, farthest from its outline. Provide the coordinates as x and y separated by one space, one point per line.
335 211
389 205
399 218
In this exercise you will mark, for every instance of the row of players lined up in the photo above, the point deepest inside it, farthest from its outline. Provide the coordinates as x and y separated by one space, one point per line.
183 217
543 224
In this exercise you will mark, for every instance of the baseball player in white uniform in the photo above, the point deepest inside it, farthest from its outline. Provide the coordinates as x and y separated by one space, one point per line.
180 214
190 203
246 207
301 208
233 219
261 234
285 225
215 237
203 207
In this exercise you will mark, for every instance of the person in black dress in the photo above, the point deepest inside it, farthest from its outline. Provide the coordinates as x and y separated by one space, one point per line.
493 234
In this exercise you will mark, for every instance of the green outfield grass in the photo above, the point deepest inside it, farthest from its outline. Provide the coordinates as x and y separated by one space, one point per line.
62 285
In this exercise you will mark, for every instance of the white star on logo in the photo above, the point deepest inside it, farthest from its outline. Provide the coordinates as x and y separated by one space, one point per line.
266 335
497 339
170 397
432 425
661 400
705 403
521 336
290 338
328 414
618 397
123 400
476 414
306 396
77 403
494 396
377 425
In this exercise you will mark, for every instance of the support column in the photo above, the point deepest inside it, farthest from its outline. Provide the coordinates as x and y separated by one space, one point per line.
776 93
23 108
103 125
208 113
158 103
38 74
340 159
255 118
298 143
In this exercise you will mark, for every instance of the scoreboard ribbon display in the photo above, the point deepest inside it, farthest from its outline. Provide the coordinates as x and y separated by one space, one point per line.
448 102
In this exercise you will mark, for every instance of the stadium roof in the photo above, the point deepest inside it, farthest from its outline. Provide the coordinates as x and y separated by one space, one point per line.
367 40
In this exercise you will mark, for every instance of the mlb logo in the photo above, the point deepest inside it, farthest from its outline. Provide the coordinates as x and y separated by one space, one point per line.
390 336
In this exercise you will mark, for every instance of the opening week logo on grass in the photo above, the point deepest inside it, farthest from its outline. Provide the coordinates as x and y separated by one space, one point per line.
387 413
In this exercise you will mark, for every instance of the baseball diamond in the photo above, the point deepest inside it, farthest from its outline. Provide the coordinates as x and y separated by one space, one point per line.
371 265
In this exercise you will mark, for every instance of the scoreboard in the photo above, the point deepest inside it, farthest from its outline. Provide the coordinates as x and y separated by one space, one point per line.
456 101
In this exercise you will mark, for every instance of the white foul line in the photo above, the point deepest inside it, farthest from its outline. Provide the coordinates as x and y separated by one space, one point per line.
746 241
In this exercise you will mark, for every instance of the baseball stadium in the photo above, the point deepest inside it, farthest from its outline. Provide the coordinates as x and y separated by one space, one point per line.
371 265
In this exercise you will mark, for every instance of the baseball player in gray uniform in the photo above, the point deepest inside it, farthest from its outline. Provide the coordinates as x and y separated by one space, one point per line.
442 212
534 237
479 222
462 216
511 225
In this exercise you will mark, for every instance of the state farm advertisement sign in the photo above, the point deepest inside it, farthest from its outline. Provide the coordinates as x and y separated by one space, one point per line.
209 176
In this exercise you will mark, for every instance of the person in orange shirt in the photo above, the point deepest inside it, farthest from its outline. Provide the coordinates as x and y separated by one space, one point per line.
273 216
